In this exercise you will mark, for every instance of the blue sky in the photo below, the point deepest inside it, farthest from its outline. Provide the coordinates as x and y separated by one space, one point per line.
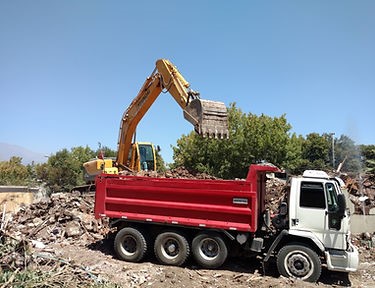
68 69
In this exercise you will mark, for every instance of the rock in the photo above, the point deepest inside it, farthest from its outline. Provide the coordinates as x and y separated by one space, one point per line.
73 229
38 244
37 221
366 236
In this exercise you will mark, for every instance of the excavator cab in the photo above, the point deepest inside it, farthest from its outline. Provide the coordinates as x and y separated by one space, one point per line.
142 157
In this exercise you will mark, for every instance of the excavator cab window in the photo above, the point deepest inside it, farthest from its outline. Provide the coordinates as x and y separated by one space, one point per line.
146 157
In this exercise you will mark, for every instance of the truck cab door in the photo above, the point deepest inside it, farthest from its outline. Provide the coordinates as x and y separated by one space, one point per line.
315 211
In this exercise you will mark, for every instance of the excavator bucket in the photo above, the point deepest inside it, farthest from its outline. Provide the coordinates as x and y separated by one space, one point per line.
210 118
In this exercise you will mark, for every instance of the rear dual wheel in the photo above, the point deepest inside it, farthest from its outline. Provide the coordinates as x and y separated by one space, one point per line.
209 250
171 248
130 244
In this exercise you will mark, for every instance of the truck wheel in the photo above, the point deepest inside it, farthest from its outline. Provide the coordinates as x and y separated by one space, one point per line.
298 261
171 248
130 245
209 250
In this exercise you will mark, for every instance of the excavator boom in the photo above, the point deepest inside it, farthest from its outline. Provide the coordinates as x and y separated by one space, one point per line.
209 118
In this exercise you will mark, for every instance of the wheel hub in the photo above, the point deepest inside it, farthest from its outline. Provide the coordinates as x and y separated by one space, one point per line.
299 265
210 248
171 248
130 245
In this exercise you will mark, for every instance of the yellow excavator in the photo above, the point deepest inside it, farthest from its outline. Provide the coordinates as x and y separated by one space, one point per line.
209 119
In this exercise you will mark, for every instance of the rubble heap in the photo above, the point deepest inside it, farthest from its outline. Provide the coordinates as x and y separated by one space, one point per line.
362 193
65 218
179 173
23 266
60 218
276 190
365 243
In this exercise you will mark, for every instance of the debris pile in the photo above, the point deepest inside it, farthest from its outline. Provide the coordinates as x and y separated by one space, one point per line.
13 253
22 267
365 242
64 217
276 189
362 193
179 173
182 172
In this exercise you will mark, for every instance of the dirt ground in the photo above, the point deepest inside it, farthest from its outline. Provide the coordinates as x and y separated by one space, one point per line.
99 258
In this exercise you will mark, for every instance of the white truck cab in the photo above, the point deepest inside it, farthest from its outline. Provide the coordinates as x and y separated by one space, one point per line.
313 229
317 210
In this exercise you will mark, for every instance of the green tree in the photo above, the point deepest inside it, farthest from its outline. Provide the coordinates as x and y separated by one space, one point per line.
107 152
13 172
315 151
160 164
294 161
63 170
368 154
252 139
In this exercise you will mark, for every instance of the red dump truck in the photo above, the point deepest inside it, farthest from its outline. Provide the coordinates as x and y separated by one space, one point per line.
214 219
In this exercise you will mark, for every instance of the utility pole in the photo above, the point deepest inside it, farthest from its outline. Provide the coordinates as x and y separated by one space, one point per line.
333 149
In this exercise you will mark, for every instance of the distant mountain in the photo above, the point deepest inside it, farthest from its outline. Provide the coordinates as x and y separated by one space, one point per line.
28 156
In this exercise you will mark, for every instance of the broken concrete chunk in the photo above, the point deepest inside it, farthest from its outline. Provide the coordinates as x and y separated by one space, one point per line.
73 229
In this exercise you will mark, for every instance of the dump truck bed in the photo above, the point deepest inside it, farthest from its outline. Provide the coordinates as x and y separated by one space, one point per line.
220 204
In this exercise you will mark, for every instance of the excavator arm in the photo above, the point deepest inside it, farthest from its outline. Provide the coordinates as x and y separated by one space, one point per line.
209 118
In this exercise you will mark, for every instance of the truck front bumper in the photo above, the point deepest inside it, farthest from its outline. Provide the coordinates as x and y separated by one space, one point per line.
343 261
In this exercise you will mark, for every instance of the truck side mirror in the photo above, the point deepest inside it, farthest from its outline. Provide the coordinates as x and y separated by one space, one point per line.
341 201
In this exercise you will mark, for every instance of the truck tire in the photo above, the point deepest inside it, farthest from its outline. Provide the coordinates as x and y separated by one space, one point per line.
171 248
300 262
130 244
209 250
